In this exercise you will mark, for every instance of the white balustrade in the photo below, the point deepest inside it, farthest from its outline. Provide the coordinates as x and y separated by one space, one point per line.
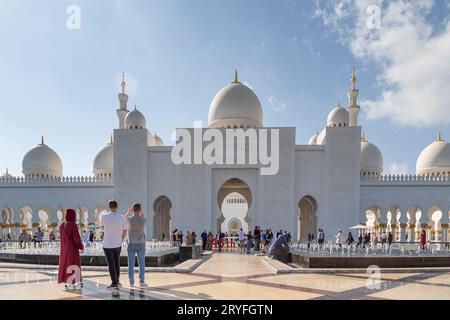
91 248
396 249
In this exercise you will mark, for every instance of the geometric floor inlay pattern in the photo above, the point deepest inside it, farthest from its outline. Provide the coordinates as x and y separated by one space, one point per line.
229 276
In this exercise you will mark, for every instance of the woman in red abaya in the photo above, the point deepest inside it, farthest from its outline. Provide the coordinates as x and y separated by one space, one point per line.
71 247
423 240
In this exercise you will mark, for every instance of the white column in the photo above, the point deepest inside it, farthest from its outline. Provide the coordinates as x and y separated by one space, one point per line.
444 226
403 229
444 231
35 219
411 232
383 222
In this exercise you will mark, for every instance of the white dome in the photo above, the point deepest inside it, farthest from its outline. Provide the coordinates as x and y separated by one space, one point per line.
135 120
42 161
434 159
157 140
104 161
322 138
371 159
338 117
313 139
236 105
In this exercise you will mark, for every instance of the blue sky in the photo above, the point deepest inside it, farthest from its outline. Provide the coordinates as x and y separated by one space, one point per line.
296 55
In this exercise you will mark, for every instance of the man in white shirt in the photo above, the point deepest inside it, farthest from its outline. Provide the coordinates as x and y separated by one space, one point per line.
338 238
115 228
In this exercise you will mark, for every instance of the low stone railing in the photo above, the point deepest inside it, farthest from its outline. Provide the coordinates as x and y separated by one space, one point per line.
55 180
430 179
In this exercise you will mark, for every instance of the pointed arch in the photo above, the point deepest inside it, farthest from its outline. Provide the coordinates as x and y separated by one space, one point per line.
243 199
162 218
307 217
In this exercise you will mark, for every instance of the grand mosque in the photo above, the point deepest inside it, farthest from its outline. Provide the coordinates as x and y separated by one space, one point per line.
334 182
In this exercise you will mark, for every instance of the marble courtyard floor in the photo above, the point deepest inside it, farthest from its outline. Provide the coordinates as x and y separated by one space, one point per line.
228 276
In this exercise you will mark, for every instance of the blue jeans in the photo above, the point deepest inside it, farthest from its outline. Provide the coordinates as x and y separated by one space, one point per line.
139 249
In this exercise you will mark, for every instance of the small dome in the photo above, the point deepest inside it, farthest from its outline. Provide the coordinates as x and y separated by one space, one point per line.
322 138
157 140
371 159
135 120
236 105
42 161
434 159
338 117
104 161
313 139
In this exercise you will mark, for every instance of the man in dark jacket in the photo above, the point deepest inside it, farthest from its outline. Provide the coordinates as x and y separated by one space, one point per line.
204 236
390 238
257 236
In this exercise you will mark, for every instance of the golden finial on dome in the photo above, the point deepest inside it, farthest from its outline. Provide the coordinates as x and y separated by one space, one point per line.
42 139
235 80
353 78
123 84
439 138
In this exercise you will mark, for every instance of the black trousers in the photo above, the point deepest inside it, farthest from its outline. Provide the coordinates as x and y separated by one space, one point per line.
113 259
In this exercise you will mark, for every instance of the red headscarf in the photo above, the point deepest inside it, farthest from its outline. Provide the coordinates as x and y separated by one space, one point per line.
71 215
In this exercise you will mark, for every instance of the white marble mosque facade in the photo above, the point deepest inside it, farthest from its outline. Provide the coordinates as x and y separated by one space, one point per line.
334 182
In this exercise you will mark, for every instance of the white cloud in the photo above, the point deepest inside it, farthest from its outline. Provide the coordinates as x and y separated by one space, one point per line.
312 51
398 169
411 54
277 105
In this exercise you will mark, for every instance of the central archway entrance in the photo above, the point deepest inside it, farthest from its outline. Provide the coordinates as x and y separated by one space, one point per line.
234 211
307 218
234 199
162 222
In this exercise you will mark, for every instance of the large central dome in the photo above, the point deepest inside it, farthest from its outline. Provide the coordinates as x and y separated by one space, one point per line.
235 106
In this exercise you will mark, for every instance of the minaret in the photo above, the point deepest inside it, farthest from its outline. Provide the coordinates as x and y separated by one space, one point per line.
353 108
123 99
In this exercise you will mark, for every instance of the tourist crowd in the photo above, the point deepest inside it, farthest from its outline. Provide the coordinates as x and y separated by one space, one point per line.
39 236
365 239
258 240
